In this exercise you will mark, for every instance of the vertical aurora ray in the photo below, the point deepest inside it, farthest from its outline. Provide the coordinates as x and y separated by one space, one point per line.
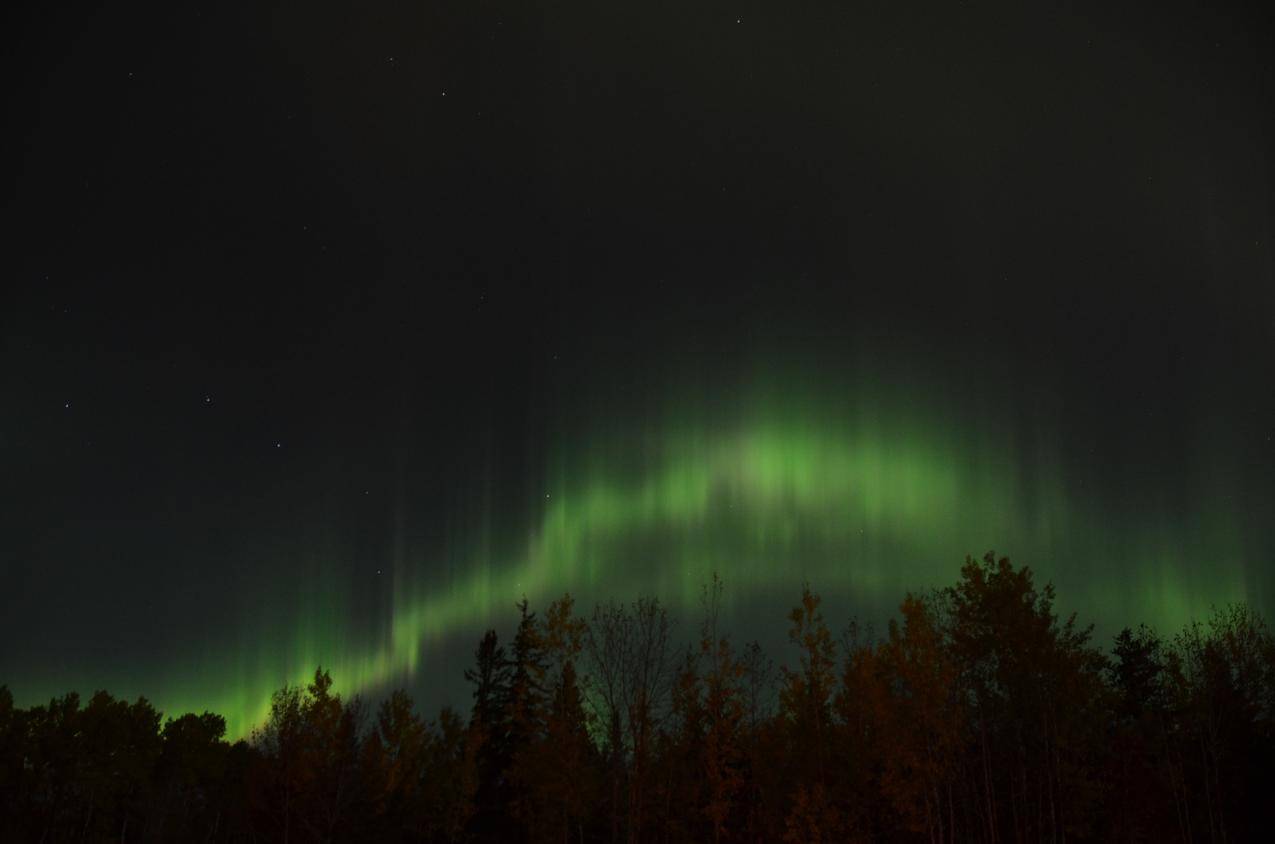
865 491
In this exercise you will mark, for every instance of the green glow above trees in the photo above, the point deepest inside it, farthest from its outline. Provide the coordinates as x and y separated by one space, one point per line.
865 495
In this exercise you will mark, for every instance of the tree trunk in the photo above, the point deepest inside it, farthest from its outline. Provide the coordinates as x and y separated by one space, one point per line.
989 802
89 816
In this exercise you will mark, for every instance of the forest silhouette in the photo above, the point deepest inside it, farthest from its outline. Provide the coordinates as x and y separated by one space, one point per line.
979 714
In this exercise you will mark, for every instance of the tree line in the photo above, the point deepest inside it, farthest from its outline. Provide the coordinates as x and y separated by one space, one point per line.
978 714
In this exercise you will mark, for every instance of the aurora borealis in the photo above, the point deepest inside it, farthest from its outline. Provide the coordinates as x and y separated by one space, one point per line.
839 487
330 353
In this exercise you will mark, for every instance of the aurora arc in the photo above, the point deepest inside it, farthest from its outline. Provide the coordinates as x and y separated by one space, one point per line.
862 502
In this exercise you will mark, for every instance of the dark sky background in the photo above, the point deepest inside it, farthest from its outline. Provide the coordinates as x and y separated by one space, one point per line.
300 292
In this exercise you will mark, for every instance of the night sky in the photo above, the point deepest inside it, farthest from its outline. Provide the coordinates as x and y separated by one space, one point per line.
329 331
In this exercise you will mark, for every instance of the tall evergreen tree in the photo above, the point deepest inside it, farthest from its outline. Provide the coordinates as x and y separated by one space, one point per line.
489 725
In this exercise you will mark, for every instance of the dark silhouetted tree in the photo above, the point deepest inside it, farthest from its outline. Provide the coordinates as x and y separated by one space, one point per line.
980 716
489 725
190 770
1037 695
805 704
564 771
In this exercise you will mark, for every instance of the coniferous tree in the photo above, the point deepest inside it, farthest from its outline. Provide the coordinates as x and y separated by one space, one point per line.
450 779
489 726
981 715
1148 797
526 719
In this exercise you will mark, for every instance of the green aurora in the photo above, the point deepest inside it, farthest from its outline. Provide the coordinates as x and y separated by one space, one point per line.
865 492
334 332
